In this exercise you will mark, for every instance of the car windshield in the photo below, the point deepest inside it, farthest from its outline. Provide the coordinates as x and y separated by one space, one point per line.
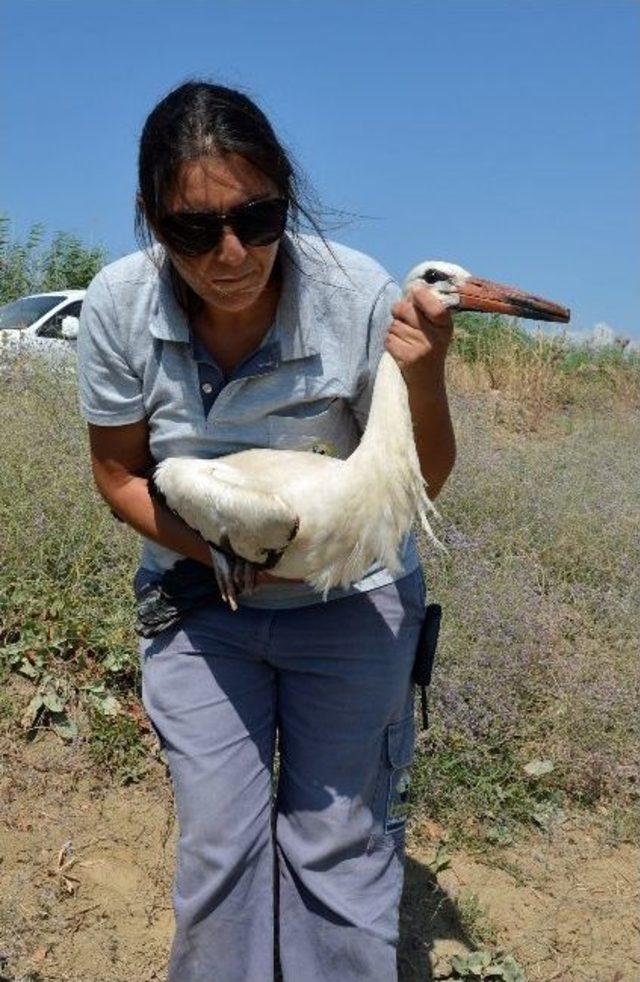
23 313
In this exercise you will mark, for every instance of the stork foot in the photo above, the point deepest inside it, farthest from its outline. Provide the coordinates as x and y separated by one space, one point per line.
233 576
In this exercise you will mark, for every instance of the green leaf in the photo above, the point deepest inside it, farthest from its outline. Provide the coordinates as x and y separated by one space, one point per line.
547 814
536 768
512 971
459 965
63 726
106 704
442 969
442 860
25 667
477 962
116 661
499 835
32 712
13 653
53 701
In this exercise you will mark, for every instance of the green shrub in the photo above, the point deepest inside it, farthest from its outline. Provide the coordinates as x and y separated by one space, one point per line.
32 266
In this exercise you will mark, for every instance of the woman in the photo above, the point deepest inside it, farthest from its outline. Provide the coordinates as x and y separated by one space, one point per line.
234 331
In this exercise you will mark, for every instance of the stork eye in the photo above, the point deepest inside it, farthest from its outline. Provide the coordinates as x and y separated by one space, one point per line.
434 276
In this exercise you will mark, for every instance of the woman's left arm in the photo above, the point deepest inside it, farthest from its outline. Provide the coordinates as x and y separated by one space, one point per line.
418 339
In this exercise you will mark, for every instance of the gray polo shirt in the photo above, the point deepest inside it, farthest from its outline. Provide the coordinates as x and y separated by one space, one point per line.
307 386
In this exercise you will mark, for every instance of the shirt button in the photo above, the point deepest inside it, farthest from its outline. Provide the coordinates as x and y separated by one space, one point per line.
207 387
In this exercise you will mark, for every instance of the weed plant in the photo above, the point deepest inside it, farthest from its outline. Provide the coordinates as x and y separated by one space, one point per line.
537 663
528 377
66 565
538 658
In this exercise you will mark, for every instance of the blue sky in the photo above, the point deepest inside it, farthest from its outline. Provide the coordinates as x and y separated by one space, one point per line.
500 134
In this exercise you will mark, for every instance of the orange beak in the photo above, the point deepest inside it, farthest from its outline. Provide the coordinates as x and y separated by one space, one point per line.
494 298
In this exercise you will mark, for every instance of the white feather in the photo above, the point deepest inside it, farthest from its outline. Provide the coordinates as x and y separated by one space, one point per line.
350 513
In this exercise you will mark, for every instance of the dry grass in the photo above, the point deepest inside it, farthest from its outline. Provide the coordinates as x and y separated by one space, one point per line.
528 379
539 652
540 589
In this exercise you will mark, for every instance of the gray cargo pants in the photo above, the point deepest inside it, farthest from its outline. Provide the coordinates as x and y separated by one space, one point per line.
324 865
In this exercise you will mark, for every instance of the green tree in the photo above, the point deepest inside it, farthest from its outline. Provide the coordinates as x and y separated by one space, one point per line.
32 266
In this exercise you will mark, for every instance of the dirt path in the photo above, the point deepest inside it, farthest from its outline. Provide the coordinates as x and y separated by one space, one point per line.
564 904
86 877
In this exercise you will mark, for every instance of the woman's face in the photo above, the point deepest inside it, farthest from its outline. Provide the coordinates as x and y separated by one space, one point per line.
231 277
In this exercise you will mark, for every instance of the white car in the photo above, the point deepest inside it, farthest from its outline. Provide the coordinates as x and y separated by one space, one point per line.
42 323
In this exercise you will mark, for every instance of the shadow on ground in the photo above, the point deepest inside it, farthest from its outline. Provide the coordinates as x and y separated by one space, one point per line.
426 914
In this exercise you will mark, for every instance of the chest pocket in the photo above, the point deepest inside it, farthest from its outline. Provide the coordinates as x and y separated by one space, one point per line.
332 431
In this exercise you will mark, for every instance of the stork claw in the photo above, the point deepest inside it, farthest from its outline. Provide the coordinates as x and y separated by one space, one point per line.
244 575
233 576
224 578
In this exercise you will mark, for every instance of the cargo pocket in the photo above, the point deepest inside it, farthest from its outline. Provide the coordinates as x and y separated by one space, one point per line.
400 743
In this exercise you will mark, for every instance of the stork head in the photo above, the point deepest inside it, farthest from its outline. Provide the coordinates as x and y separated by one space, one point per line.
458 289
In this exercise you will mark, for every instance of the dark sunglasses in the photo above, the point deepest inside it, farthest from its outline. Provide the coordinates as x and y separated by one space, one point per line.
192 233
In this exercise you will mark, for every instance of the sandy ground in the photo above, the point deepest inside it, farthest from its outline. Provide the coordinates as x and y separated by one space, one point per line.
86 871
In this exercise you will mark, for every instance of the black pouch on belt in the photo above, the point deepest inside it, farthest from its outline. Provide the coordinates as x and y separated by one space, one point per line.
425 655
163 604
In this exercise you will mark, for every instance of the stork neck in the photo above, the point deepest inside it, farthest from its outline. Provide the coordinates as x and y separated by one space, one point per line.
385 467
378 491
389 428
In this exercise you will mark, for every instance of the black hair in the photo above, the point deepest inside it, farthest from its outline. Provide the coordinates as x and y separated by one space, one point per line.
199 118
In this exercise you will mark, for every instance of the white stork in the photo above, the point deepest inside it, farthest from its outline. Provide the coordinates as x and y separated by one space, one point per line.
307 516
